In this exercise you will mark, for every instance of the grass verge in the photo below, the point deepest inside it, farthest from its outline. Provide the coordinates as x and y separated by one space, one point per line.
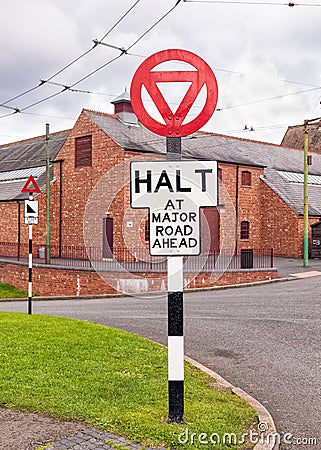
8 291
117 381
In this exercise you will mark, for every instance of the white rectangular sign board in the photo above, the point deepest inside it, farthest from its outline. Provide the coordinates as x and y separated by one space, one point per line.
174 191
31 212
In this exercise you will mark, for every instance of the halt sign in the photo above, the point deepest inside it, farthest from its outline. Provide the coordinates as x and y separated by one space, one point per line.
174 122
174 191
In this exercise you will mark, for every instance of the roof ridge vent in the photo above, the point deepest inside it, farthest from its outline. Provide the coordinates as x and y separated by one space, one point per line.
123 108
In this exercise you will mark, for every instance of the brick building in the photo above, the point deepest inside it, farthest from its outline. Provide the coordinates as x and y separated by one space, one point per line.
261 187
294 136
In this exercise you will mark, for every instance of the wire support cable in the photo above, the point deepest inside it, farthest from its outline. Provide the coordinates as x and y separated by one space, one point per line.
42 82
123 52
240 2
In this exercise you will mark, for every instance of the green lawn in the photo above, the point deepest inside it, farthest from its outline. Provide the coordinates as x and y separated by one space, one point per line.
109 378
8 291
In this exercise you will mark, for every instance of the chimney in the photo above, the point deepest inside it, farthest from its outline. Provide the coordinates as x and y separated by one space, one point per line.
123 109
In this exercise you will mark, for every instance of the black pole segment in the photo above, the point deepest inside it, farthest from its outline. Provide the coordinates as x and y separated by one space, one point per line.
174 148
175 314
176 405
29 296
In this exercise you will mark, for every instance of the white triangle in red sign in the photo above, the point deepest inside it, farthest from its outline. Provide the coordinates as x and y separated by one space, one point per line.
31 186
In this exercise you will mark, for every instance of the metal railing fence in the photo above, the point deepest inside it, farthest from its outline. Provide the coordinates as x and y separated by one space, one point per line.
135 260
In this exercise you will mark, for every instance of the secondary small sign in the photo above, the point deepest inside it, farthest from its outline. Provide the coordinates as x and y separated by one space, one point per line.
31 212
174 191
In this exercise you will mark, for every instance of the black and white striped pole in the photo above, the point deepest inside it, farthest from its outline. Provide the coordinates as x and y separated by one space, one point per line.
31 218
30 264
174 191
175 316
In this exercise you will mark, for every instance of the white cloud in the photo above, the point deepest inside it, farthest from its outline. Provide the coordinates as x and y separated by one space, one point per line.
263 44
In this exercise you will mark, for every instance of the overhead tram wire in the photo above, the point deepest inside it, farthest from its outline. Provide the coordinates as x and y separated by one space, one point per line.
123 51
267 99
9 107
83 91
66 88
9 114
96 42
118 22
156 23
42 82
240 2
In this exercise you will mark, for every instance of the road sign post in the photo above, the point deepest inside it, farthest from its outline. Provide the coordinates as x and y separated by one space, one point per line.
174 191
179 187
30 265
31 218
175 315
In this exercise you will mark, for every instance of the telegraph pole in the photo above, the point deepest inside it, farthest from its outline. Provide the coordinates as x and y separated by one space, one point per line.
305 192
47 195
306 197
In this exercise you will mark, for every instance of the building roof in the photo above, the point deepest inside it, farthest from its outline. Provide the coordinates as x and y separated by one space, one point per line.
206 146
123 97
283 166
21 159
294 137
276 160
289 187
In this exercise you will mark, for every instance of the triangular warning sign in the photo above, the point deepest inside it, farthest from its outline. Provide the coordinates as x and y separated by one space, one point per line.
31 185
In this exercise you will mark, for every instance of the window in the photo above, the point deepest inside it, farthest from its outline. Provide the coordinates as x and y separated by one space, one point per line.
246 178
245 230
83 151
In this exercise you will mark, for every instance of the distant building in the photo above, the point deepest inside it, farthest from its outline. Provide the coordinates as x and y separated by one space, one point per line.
264 183
294 137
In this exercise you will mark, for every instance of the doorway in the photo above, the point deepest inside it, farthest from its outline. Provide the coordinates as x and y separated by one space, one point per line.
210 224
108 237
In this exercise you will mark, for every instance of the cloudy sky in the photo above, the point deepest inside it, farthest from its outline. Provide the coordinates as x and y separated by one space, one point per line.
265 55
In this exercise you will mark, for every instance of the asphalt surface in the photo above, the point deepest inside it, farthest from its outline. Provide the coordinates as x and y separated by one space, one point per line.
264 339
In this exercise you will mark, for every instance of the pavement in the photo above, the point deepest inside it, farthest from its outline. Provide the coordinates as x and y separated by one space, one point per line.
95 439
291 267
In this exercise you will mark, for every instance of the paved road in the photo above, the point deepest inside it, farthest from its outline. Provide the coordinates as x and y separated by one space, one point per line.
264 339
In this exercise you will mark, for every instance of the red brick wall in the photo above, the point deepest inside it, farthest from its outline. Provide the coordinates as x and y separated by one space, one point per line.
282 227
279 224
9 220
78 182
60 282
249 208
227 198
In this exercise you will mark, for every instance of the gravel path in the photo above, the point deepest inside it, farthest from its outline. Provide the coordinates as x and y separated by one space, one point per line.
20 431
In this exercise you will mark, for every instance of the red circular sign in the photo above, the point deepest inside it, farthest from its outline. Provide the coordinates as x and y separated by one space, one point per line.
147 77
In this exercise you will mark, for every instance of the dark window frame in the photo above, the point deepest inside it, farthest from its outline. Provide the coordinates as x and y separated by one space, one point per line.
245 230
83 151
246 178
